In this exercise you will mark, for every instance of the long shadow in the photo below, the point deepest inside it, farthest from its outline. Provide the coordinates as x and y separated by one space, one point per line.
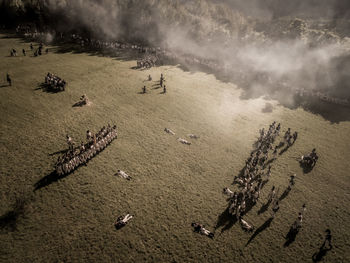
284 194
59 152
291 235
261 228
264 207
4 85
318 256
47 88
226 220
9 220
284 150
48 179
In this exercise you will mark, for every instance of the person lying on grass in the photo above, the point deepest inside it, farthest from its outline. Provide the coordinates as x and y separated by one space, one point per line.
169 131
123 174
245 225
199 228
122 221
183 141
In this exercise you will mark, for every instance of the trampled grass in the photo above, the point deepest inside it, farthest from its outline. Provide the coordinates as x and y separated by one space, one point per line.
71 220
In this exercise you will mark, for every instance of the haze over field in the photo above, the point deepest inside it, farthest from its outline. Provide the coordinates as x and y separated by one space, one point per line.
231 68
251 38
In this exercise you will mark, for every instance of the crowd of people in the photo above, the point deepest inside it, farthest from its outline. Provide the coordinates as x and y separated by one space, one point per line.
303 93
147 61
309 160
55 82
80 155
256 173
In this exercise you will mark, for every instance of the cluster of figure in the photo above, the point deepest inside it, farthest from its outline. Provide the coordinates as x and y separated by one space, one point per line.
322 96
310 159
147 62
254 175
55 82
77 156
161 83
290 138
183 141
84 100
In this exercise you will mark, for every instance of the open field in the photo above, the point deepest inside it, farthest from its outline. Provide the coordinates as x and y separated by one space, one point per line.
71 220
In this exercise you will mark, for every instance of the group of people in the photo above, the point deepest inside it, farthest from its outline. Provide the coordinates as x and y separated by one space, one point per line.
55 82
147 62
77 156
161 83
310 159
254 175
84 100
322 96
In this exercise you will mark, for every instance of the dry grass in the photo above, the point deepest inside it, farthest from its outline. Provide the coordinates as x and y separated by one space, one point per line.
174 184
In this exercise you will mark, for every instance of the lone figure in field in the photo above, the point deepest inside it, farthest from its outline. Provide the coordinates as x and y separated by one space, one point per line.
144 89
122 221
123 174
8 79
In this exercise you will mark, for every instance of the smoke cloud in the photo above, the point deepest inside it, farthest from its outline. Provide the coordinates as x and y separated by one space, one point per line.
263 43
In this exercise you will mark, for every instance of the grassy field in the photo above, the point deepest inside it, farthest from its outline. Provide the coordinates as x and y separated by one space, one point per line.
71 220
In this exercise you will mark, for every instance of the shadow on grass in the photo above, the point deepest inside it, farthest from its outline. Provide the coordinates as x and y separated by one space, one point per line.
261 228
318 256
284 194
8 221
291 235
306 168
226 220
47 88
284 150
49 179
264 207
59 152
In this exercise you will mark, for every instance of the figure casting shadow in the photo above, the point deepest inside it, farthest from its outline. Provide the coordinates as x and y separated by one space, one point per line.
261 228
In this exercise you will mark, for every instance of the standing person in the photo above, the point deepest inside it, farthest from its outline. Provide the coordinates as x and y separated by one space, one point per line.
24 52
31 46
164 89
291 181
275 208
144 89
8 79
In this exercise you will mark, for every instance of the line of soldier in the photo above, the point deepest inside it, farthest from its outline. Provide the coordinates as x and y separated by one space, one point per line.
77 156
